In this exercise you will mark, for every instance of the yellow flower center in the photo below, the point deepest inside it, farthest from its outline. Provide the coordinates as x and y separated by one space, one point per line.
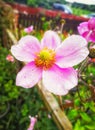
45 58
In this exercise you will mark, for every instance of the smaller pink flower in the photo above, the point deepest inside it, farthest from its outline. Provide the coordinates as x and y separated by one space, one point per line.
33 120
10 58
29 29
87 30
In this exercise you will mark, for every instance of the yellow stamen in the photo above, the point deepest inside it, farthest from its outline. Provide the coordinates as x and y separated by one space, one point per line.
45 58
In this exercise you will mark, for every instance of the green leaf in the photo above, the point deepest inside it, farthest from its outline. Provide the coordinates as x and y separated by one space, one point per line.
92 106
73 114
85 117
78 126
90 126
77 102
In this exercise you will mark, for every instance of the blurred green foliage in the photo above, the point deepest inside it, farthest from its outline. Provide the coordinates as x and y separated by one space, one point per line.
80 12
6 15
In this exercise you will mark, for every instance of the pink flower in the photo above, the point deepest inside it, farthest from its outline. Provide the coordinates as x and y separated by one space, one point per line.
29 29
87 30
49 116
32 123
10 58
50 61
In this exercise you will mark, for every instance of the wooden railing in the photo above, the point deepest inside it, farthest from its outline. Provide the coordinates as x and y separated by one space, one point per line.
50 102
28 15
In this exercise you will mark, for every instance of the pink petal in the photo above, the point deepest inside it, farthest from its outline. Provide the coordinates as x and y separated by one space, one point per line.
59 81
28 76
72 51
88 36
83 27
92 37
26 48
50 40
91 23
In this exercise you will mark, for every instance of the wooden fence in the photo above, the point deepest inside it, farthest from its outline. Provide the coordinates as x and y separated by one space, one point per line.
28 15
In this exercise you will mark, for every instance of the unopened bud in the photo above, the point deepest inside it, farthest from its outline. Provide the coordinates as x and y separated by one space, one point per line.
92 53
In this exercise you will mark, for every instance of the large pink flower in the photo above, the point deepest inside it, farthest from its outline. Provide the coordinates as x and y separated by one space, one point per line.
50 61
87 30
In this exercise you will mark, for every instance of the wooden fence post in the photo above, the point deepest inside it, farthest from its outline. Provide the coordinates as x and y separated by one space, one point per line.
52 105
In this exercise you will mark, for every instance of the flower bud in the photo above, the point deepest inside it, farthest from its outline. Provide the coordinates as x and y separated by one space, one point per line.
92 53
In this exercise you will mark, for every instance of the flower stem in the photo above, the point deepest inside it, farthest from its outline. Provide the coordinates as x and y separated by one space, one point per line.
83 66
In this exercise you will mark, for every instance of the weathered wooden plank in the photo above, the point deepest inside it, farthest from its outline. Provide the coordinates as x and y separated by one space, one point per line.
11 36
58 115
